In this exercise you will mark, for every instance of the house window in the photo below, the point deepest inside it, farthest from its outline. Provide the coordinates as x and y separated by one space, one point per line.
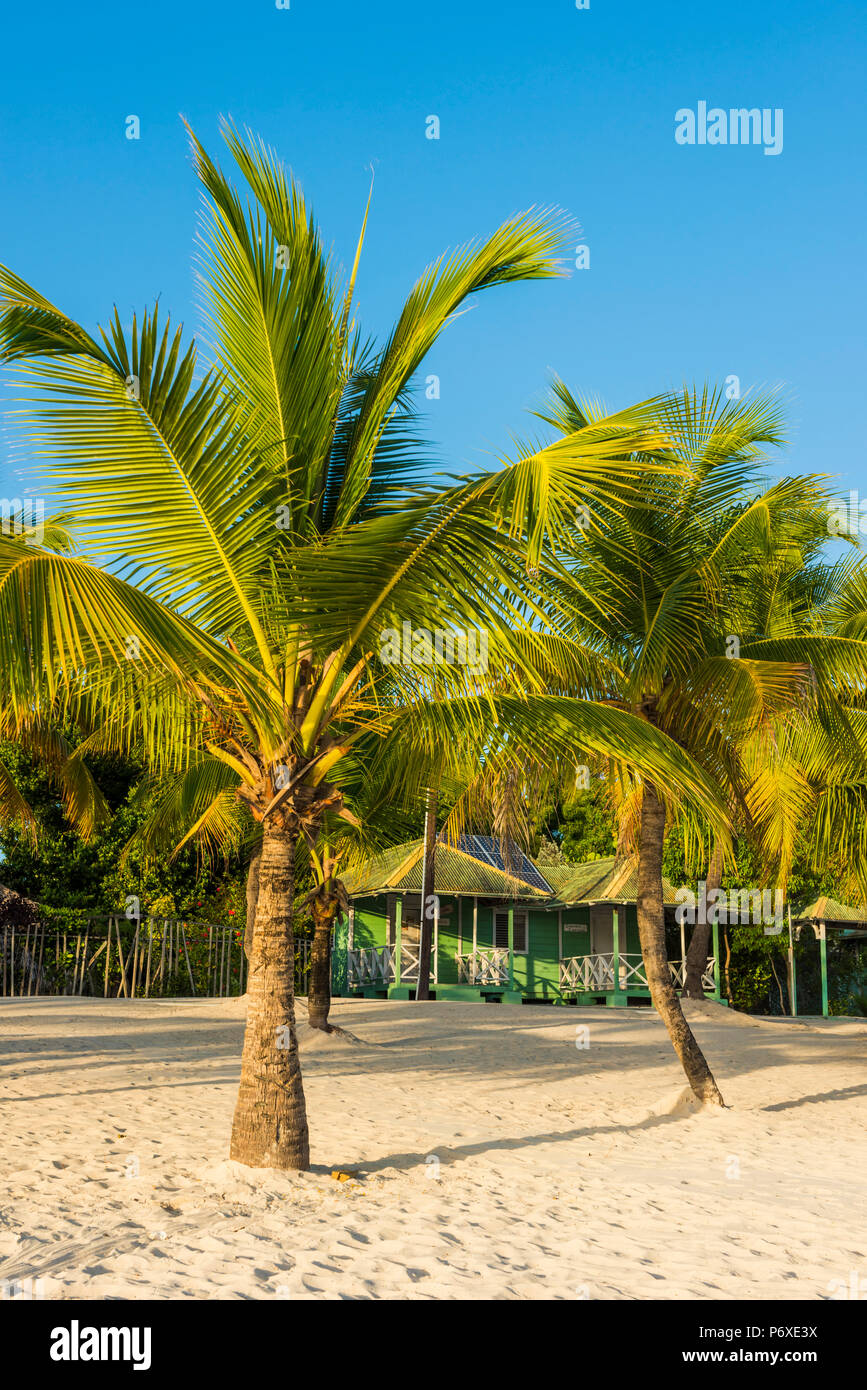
501 930
410 919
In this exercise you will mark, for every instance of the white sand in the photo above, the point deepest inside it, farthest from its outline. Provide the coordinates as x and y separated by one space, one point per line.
495 1159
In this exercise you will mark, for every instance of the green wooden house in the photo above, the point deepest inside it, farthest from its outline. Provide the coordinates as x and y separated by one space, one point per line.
824 915
504 929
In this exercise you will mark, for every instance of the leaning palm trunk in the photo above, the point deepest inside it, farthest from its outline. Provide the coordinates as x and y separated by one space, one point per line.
651 929
728 961
696 956
324 902
319 978
269 1129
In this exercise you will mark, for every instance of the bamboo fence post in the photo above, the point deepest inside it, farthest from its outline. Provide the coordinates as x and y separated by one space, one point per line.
150 948
122 985
134 965
95 957
25 964
162 958
84 957
107 959
187 950
41 956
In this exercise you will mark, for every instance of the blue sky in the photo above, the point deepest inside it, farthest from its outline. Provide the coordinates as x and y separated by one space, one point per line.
704 261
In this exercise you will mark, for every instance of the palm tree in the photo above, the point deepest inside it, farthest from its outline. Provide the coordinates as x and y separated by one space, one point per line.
256 538
83 803
42 736
662 591
807 784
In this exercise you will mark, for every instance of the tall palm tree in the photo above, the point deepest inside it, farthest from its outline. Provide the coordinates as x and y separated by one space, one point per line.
662 591
805 783
58 752
256 538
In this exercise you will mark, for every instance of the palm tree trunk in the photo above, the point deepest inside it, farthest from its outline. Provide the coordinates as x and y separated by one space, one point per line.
728 964
252 895
696 955
269 1129
422 989
651 929
779 987
319 978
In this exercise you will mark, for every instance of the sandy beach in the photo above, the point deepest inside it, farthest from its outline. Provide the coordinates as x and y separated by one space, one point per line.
489 1156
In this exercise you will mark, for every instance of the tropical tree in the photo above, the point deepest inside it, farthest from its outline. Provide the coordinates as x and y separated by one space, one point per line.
254 537
83 803
663 589
802 791
42 735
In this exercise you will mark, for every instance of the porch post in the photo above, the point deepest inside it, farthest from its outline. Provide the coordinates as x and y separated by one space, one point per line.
475 925
398 921
716 975
351 927
823 958
436 938
511 945
560 933
793 987
615 948
460 925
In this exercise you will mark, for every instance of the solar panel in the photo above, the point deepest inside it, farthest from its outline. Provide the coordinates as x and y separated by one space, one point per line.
488 849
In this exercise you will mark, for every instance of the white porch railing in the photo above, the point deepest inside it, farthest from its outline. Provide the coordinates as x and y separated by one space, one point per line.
595 973
678 973
485 967
409 955
370 965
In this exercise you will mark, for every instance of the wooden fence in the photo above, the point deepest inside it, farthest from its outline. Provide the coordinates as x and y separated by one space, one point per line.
115 957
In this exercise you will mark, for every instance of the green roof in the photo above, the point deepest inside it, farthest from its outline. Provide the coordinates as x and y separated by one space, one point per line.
599 880
578 882
399 870
830 910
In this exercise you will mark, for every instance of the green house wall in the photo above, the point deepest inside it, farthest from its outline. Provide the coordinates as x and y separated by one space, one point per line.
371 923
537 972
